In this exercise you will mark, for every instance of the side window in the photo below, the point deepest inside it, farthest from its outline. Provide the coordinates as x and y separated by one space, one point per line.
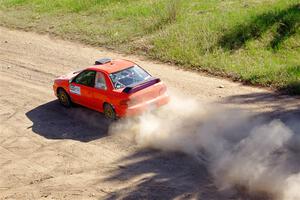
100 81
86 78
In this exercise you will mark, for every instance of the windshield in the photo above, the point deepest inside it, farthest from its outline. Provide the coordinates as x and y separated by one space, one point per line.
128 76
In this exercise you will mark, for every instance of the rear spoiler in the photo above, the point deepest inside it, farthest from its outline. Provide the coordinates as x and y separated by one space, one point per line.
137 87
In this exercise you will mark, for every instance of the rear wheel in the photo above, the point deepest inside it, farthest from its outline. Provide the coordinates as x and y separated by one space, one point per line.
64 98
109 112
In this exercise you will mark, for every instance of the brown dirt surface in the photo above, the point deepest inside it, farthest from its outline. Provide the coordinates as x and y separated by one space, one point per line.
48 152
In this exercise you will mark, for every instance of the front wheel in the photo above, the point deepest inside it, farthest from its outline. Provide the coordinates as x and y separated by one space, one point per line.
109 112
64 98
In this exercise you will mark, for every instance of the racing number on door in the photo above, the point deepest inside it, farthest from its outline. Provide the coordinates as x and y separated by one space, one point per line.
82 86
75 89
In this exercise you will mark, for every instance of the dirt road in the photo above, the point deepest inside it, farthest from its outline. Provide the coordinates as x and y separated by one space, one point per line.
47 152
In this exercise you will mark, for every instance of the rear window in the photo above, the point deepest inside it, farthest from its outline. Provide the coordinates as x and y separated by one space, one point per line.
126 77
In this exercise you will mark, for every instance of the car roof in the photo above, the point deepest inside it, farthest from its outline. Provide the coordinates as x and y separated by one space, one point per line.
112 66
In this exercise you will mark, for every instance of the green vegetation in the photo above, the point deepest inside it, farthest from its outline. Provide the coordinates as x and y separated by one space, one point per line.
257 42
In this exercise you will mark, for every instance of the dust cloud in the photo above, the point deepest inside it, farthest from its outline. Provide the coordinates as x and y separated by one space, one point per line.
239 149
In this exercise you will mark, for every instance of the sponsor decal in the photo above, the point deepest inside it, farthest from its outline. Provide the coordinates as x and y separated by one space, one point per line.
75 89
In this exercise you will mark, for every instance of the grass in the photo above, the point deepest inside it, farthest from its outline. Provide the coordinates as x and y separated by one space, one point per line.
256 42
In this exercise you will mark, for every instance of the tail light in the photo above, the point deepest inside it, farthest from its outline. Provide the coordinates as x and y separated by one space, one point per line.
129 102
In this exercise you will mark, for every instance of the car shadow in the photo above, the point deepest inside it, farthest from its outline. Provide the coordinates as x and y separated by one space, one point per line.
53 121
153 174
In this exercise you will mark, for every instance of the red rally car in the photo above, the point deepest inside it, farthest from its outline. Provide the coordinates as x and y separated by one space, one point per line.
118 88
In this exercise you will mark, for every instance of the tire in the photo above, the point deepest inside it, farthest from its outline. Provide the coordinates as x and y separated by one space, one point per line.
63 98
109 112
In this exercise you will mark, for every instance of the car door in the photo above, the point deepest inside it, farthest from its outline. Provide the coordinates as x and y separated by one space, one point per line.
100 91
81 88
